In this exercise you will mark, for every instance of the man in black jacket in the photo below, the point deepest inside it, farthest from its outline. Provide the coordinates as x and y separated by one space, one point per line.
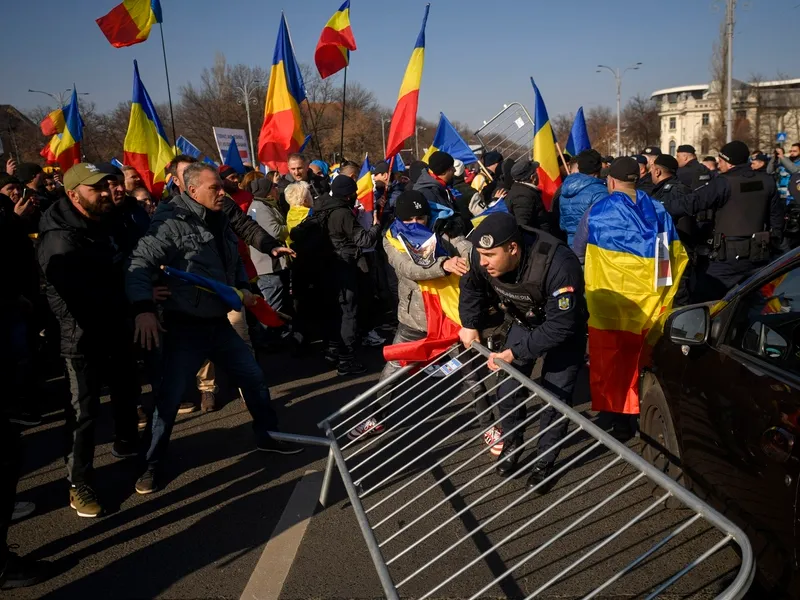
82 253
524 200
691 173
348 238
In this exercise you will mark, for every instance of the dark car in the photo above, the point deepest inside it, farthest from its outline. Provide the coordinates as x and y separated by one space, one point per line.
720 409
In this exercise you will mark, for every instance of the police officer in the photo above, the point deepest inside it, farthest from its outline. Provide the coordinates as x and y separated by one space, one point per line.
539 283
692 173
747 224
645 182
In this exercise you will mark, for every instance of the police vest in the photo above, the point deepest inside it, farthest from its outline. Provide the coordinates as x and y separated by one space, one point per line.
528 292
745 212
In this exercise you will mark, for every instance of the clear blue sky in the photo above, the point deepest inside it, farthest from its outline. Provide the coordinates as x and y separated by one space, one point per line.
479 54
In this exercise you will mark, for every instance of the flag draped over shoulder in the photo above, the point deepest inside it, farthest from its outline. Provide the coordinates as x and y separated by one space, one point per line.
578 136
335 43
229 295
439 296
366 190
404 118
129 23
282 130
634 262
544 151
146 148
65 145
447 139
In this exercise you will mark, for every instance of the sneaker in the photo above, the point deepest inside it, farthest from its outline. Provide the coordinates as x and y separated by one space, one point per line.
84 501
124 449
491 438
373 339
146 484
507 463
20 572
187 407
208 402
366 429
142 418
22 510
26 418
332 355
541 471
270 444
351 368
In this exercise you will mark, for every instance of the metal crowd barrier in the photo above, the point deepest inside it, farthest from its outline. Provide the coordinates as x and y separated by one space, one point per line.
510 132
428 503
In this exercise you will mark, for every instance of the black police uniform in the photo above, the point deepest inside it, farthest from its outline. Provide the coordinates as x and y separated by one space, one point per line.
694 174
748 223
646 184
545 295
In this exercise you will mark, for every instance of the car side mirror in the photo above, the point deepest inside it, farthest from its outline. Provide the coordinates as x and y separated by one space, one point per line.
689 326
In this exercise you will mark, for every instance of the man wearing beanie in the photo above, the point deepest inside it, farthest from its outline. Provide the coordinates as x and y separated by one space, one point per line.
748 221
524 200
434 184
580 190
348 239
411 228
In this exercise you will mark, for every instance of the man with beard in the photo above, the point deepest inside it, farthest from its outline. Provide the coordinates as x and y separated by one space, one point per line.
82 253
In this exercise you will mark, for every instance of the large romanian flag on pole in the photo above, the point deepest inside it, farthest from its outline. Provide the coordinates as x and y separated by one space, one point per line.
404 119
146 148
544 151
634 263
282 130
447 139
129 23
366 189
335 43
65 145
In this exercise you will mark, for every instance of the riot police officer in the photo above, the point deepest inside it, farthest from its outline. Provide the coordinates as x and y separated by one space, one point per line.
748 222
538 281
692 173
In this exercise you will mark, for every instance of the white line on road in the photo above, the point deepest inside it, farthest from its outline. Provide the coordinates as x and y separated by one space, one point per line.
270 573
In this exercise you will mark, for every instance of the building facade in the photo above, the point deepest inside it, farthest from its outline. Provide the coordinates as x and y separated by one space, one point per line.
691 114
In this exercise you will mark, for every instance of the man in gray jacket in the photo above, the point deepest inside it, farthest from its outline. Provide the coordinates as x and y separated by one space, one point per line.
191 233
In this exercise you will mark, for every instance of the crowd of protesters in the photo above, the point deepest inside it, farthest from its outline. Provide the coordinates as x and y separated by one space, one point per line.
90 246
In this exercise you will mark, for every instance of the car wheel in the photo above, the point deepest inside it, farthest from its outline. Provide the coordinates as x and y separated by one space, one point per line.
660 443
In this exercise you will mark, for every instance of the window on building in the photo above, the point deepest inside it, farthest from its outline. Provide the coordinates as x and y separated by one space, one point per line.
704 146
706 117
672 123
672 98
672 147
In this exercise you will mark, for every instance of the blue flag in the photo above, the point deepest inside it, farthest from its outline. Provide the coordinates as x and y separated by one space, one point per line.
579 137
188 148
398 166
228 294
233 158
495 207
447 139
210 161
305 142
116 163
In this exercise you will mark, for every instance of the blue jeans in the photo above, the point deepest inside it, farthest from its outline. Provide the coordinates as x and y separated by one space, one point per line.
275 289
186 347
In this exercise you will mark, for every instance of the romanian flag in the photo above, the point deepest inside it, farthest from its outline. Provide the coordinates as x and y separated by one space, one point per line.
335 43
129 23
54 123
282 130
404 119
578 136
439 296
366 190
146 148
229 295
544 151
65 146
634 262
447 139
497 206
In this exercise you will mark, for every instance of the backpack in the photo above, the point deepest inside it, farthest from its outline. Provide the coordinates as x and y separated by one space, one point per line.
311 240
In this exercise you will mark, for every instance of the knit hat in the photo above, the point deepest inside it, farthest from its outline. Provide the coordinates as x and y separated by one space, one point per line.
735 153
226 170
589 162
261 187
439 162
492 158
6 179
343 187
415 170
411 204
523 170
27 171
459 167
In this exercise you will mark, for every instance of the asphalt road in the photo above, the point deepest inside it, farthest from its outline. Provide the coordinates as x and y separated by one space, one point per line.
202 536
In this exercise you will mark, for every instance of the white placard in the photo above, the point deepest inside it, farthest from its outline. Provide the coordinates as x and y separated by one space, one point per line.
223 137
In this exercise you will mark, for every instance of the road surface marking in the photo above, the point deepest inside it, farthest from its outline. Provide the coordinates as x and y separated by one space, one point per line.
273 567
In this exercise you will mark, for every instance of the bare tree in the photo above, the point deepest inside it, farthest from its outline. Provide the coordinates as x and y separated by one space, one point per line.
601 124
641 124
562 125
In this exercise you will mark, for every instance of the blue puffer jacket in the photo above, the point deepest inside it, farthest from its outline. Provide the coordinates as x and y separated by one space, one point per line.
578 193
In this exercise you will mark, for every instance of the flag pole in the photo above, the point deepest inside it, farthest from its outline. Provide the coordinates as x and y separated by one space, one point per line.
344 105
169 91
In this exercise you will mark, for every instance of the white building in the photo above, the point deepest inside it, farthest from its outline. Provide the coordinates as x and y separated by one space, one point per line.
689 113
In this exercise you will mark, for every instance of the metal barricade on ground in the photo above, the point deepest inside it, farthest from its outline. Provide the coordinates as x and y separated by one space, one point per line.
510 132
439 523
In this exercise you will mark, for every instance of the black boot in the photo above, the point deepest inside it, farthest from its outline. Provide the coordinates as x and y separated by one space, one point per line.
21 572
507 462
540 472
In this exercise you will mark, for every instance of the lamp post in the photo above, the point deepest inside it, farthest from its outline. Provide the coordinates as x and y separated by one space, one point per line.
729 75
247 99
618 78
383 133
61 97
416 137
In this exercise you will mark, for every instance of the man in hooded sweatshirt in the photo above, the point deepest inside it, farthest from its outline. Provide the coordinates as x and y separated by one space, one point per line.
580 190
434 184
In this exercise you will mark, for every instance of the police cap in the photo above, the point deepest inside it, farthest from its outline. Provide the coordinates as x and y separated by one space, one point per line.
495 230
686 148
668 162
639 158
624 168
652 151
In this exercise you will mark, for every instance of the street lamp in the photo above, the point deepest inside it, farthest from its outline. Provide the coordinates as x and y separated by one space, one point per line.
61 97
383 133
416 137
618 77
247 99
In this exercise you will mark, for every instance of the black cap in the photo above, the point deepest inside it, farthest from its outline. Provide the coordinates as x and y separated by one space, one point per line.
109 168
381 168
589 162
26 171
689 149
343 187
670 163
639 158
522 170
735 152
6 179
709 159
495 230
492 158
652 151
625 168
415 169
762 157
411 204
439 162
